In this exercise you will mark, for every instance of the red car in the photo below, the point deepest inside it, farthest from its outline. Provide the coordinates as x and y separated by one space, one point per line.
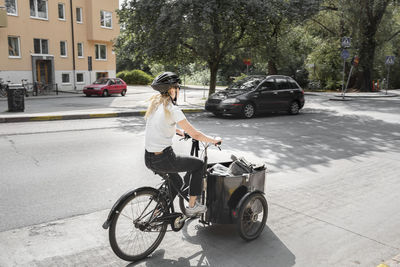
106 87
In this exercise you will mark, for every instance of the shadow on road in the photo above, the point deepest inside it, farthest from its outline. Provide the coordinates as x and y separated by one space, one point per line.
222 246
312 137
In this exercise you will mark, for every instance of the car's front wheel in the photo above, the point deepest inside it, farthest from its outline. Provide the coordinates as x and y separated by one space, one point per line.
248 111
294 108
123 93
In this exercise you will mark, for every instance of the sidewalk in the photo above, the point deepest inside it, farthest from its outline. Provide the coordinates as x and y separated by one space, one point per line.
74 105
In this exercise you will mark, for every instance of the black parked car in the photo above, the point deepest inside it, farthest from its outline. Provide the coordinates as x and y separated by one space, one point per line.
257 94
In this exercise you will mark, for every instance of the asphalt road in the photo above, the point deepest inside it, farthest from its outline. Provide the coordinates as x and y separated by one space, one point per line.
332 185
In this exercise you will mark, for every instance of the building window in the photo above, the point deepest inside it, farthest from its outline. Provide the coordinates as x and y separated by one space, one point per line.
80 50
65 78
79 15
41 46
79 78
105 19
101 52
61 11
12 8
38 9
13 47
63 48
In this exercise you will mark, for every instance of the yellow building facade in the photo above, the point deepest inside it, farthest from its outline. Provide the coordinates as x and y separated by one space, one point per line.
63 42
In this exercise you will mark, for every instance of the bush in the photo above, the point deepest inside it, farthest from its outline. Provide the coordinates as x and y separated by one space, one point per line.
122 74
135 77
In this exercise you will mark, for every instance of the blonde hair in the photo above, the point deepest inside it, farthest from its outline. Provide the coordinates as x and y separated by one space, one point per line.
156 101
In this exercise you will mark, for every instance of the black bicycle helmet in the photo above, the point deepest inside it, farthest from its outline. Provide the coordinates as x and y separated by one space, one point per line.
164 81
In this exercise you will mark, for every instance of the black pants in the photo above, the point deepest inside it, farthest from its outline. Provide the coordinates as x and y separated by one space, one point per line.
168 162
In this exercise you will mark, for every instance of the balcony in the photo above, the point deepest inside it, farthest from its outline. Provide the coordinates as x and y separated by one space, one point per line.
3 17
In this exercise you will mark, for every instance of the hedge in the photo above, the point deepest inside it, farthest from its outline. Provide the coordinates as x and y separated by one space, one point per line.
135 77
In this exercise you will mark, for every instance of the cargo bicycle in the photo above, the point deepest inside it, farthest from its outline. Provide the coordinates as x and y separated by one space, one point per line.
138 221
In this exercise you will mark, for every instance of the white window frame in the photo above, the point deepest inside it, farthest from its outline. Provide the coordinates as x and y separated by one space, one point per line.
41 46
81 15
77 48
16 9
103 25
37 12
96 56
83 78
58 14
19 47
66 49
69 78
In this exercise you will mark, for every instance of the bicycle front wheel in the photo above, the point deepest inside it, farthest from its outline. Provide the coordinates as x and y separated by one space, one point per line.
135 231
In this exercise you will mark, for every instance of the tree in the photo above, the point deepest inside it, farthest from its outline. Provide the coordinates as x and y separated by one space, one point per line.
191 30
360 19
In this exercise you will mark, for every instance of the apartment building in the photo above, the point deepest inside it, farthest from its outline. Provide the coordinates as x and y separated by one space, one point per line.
64 42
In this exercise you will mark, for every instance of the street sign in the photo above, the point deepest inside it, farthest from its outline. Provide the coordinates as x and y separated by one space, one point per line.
355 61
346 41
247 61
345 54
389 60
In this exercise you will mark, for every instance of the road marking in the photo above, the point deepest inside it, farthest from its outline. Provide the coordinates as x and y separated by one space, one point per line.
105 115
46 118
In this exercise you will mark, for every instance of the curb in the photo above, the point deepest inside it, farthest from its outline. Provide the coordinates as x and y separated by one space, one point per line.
85 116
368 96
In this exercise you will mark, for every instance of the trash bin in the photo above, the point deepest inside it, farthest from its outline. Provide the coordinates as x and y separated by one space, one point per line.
15 97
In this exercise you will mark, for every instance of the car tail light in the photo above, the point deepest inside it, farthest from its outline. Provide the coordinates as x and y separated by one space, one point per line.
302 91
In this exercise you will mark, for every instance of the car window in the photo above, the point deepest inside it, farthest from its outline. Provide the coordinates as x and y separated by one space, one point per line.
282 84
267 86
246 83
111 82
119 82
293 85
101 81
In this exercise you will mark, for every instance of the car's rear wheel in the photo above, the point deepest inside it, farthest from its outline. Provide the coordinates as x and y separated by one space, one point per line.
248 111
106 93
87 95
123 93
294 108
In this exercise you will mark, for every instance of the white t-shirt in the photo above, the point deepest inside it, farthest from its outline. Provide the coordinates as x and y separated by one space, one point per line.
160 129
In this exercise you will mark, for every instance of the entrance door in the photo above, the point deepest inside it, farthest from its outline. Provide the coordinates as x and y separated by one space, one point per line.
43 71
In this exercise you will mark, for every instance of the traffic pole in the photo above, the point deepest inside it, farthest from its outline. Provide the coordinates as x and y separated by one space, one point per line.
344 69
387 84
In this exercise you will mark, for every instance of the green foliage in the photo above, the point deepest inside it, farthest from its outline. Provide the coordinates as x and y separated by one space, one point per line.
324 64
205 41
204 31
135 77
240 77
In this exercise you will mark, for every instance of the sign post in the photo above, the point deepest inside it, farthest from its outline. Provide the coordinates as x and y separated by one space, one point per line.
354 63
346 41
388 62
247 62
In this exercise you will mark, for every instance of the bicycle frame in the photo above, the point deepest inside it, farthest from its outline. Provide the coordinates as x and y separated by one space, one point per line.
165 184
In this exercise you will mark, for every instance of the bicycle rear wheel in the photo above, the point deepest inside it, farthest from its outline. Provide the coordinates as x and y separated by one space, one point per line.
135 232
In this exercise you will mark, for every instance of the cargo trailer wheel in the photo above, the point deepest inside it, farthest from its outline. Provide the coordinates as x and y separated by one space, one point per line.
252 216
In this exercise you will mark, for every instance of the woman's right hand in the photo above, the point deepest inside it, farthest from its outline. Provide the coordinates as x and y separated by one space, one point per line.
217 141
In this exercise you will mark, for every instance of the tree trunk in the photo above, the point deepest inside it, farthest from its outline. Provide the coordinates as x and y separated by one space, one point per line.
367 55
213 77
272 69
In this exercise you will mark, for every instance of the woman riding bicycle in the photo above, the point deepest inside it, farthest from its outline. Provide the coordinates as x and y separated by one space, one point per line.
161 118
